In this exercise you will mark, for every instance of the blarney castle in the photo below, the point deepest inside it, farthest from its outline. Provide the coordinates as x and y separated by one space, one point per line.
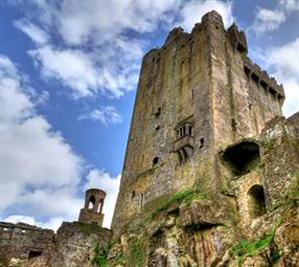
211 173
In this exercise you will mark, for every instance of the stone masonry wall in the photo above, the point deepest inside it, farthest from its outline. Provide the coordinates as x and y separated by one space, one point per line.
203 78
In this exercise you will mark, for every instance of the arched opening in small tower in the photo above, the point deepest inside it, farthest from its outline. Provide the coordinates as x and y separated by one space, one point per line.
256 201
100 207
91 203
241 158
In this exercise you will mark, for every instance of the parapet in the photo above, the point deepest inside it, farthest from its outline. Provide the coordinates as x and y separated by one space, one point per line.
262 77
237 39
23 241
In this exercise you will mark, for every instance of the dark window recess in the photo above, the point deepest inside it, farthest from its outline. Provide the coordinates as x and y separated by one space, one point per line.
92 202
263 84
34 253
241 48
241 158
155 161
202 143
234 125
133 194
247 71
184 130
158 112
272 92
255 78
256 201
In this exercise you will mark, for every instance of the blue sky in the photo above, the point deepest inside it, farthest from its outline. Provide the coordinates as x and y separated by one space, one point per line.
68 78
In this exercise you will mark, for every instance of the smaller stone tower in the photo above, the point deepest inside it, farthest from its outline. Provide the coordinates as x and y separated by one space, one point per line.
92 211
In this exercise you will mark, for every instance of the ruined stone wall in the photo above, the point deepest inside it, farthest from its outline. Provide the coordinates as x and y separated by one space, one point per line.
75 244
23 241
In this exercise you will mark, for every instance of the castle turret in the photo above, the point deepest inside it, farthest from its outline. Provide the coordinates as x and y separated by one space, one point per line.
92 211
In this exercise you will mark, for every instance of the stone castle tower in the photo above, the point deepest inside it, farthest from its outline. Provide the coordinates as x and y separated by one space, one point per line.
197 94
93 207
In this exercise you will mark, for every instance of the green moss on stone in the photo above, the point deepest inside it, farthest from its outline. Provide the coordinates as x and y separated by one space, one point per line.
181 197
137 250
100 258
248 249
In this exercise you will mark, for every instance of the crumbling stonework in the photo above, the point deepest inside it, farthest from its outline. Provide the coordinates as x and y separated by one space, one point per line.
74 245
21 242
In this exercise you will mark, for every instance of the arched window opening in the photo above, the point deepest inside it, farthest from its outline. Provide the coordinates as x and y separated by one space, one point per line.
100 206
92 201
256 201
241 158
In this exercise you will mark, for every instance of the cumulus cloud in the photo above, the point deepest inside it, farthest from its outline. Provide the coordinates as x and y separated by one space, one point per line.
100 21
283 63
107 115
192 11
72 67
94 55
40 173
267 20
103 180
38 167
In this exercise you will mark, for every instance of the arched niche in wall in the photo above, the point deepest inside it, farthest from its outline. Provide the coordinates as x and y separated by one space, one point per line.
242 157
256 201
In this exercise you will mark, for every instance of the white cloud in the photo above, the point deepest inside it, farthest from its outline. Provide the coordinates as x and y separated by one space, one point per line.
103 180
112 72
267 20
100 21
94 55
192 11
107 115
37 35
289 5
38 167
283 63
73 67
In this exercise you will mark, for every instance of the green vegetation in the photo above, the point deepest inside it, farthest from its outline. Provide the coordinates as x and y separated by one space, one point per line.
268 145
186 197
101 256
248 249
136 252
88 228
